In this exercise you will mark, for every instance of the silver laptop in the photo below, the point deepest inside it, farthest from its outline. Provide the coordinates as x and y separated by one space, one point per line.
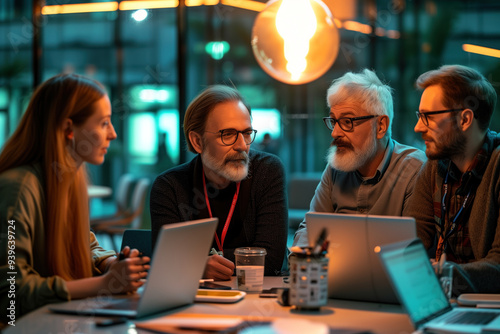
413 278
354 271
176 268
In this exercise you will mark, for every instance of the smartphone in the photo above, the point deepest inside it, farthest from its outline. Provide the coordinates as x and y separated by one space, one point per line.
105 322
269 293
212 285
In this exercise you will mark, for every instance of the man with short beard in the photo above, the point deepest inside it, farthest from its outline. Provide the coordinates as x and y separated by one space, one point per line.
457 197
368 172
243 188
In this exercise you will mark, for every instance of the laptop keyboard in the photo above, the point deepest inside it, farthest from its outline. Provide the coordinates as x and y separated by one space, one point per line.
472 318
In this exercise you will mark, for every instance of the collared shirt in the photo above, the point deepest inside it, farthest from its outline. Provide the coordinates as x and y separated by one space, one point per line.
454 239
482 275
386 193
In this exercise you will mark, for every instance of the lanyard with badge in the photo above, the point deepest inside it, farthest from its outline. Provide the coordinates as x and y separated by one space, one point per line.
220 243
443 238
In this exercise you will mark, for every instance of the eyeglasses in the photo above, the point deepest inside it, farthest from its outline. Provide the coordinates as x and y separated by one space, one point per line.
230 136
424 116
345 123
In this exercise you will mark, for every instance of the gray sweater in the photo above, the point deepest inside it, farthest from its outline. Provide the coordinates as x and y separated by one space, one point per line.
483 274
387 193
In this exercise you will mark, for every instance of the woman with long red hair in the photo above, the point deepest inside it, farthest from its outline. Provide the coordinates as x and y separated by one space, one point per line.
44 215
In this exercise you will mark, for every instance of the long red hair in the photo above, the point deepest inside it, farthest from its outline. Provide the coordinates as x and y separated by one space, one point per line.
40 138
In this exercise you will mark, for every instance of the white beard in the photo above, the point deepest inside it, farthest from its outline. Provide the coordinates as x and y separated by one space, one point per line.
234 171
350 159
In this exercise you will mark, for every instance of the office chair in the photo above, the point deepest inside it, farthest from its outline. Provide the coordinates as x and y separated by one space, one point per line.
139 239
301 189
129 219
121 199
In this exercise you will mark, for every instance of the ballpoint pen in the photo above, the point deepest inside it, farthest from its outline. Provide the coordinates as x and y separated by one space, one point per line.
213 251
319 243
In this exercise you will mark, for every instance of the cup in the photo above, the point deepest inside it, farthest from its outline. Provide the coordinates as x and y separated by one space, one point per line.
308 279
250 268
444 273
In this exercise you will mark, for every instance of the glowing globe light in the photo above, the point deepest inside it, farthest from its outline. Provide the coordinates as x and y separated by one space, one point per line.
296 36
295 41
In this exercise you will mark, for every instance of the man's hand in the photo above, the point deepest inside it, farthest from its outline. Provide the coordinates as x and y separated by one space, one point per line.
218 268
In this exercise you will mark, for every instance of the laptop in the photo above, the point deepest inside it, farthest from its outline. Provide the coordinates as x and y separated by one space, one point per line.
419 291
354 271
176 268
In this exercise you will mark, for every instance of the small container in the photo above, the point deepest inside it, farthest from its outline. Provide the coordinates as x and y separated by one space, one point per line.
250 268
308 280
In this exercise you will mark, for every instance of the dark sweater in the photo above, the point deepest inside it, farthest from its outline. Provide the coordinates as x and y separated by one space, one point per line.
260 218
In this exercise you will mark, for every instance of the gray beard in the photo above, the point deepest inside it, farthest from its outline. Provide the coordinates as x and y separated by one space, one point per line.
227 169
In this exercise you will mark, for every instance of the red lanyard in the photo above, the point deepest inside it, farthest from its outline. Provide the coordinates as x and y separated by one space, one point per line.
229 215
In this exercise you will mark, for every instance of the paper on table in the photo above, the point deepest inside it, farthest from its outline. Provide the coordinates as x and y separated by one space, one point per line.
174 324
194 323
213 322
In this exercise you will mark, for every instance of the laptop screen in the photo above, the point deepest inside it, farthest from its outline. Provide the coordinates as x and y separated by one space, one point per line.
414 280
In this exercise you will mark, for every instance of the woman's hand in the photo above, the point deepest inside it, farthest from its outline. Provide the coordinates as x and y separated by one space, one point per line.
127 273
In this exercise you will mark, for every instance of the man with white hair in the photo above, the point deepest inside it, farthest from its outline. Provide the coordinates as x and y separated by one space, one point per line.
368 172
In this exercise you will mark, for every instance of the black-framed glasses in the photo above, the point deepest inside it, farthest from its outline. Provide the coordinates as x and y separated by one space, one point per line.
345 123
424 116
230 136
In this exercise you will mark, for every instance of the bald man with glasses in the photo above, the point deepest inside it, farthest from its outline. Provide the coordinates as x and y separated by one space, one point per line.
456 201
368 172
244 188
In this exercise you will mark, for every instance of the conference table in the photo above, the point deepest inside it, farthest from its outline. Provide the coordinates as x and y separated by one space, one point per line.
341 316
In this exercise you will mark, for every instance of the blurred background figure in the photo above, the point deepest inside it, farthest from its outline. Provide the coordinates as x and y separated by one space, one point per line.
268 144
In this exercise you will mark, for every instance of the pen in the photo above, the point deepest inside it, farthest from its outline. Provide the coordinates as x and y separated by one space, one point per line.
319 243
213 251
203 280
442 260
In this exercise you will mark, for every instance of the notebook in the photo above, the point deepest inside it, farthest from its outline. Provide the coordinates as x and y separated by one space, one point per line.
354 271
179 260
420 293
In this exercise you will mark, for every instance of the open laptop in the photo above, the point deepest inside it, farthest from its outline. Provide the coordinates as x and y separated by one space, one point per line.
176 268
354 271
419 290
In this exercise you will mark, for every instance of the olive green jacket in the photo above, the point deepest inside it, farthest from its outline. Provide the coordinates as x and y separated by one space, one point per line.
26 282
